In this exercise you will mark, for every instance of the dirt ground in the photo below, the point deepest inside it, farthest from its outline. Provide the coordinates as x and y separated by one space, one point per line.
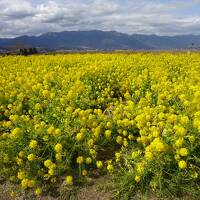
95 191
98 190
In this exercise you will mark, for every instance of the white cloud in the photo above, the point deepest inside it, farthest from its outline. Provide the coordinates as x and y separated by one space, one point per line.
16 10
144 16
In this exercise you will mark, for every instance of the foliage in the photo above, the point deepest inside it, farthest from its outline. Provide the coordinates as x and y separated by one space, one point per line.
135 116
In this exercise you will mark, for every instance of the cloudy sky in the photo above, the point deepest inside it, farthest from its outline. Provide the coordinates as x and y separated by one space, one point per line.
162 17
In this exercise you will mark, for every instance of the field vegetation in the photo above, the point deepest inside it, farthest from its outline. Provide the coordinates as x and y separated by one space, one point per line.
136 117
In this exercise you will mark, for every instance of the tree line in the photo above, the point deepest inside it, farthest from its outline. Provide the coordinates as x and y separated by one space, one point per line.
27 51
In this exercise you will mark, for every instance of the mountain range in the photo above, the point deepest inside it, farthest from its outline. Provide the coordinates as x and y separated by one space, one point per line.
101 40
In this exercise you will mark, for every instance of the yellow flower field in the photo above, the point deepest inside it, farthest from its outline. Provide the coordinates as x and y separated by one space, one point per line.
133 116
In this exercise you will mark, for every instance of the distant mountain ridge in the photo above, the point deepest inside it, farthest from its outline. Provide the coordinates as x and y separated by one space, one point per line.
101 40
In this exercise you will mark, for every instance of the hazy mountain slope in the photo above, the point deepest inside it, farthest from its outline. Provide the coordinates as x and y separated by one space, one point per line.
102 40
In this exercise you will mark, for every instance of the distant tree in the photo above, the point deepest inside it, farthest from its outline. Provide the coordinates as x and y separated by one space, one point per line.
17 46
21 51
25 52
28 51
33 50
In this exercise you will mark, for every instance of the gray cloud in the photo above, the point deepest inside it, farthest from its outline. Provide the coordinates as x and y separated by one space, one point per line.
17 10
147 17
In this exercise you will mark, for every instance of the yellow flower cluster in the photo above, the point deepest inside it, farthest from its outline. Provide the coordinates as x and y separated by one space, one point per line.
121 113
